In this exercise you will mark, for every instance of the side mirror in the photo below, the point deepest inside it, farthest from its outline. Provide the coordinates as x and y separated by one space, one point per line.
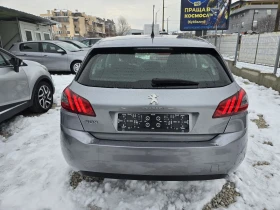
61 51
16 63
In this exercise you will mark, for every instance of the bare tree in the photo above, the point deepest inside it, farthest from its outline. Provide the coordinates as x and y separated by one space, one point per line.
123 27
266 24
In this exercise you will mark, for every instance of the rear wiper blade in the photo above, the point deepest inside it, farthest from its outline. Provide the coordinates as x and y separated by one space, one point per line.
159 82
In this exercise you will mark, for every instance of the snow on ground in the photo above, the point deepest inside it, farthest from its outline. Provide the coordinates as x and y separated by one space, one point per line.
34 175
260 68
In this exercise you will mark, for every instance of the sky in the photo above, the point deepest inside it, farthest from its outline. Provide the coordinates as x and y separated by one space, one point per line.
137 12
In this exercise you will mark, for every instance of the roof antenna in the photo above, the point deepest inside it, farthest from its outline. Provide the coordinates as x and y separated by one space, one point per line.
153 25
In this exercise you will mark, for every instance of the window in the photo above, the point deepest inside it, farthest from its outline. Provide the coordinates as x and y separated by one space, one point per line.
268 12
93 41
242 25
68 32
86 42
5 60
28 35
38 36
30 47
125 68
50 48
47 36
256 11
67 46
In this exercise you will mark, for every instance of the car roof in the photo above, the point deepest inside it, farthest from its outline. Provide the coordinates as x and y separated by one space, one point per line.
93 38
147 41
50 41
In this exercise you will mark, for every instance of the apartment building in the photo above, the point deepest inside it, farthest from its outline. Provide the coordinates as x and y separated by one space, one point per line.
253 15
76 24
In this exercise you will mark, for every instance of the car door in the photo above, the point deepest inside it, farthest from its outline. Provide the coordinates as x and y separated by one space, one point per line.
14 88
52 59
30 51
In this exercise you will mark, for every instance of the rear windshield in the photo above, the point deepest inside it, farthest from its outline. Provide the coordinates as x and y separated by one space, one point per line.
138 68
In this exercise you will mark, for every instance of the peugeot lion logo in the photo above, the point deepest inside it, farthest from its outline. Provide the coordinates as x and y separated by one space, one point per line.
153 98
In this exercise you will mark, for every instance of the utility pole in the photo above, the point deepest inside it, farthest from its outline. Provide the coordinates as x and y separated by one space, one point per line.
277 18
163 15
253 20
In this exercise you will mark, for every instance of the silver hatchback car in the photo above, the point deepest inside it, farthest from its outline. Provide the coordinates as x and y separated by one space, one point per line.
55 55
165 109
23 84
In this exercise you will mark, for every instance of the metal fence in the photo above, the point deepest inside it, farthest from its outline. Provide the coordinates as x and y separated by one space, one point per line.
256 49
225 43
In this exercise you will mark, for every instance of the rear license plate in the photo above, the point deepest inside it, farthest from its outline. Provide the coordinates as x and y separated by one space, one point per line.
153 122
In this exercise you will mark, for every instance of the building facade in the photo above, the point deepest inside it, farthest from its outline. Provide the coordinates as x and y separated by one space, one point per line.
253 15
18 26
75 24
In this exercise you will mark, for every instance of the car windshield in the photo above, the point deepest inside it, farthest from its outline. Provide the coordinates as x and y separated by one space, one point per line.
80 44
68 47
179 68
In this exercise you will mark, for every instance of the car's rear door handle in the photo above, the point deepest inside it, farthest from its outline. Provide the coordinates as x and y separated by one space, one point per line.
45 55
24 54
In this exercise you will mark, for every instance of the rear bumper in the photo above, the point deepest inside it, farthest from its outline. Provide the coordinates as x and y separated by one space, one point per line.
178 160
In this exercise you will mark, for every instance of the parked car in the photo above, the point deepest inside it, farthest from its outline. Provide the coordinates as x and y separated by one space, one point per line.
90 41
185 118
78 44
55 55
24 84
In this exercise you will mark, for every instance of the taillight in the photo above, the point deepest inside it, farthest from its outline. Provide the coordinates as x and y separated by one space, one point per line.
72 102
233 105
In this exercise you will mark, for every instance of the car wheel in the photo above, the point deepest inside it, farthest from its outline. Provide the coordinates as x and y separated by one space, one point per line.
75 67
43 98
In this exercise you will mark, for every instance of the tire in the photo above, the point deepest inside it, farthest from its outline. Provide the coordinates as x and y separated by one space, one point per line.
75 66
43 98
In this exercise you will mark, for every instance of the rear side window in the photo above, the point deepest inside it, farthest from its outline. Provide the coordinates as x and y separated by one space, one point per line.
86 42
50 48
93 41
29 47
137 68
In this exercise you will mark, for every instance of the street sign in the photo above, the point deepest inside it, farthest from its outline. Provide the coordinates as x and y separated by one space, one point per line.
204 15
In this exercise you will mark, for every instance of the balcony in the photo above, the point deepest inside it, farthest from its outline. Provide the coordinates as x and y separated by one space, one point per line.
75 19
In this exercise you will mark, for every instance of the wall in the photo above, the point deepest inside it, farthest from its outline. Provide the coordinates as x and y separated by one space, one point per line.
259 49
33 28
245 14
9 33
264 79
82 26
227 45
70 28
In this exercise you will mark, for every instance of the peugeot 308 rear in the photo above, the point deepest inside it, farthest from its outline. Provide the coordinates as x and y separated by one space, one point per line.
154 109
